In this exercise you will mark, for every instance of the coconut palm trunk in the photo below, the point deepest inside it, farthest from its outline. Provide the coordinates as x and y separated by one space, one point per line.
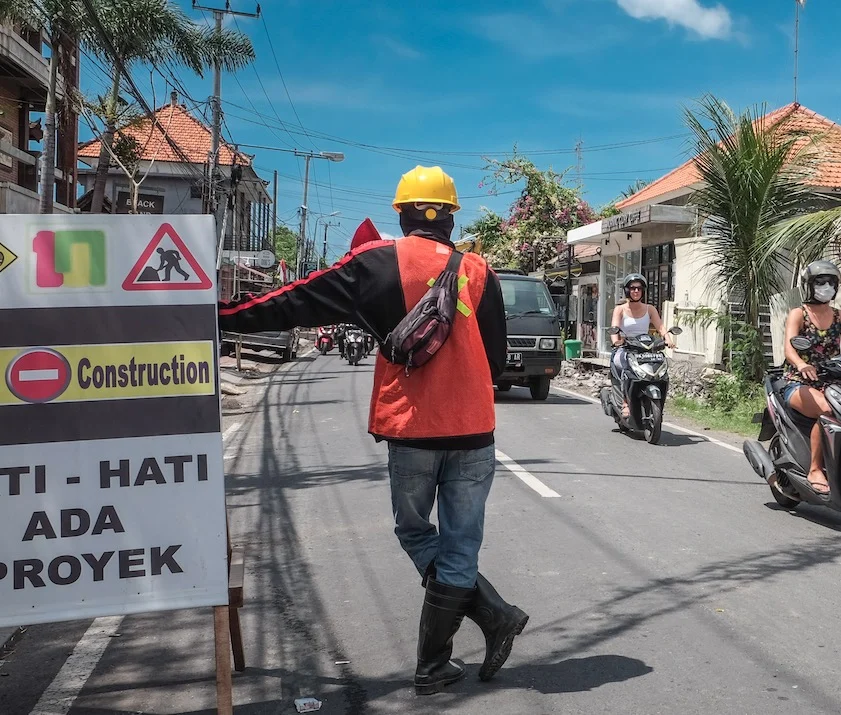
47 197
104 163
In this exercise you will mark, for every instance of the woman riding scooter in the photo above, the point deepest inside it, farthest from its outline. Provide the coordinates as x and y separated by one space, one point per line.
633 318
818 321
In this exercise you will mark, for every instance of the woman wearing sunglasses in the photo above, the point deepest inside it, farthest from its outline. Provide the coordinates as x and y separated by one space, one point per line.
633 318
818 321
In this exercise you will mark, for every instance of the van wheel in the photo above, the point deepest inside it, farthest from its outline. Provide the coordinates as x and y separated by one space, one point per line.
503 386
539 387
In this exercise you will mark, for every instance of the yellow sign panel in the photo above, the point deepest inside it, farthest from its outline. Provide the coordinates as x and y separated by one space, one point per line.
75 373
7 258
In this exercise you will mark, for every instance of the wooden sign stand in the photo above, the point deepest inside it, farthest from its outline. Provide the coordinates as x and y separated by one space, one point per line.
227 631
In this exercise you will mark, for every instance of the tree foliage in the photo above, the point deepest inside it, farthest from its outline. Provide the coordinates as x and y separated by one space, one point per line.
286 245
534 229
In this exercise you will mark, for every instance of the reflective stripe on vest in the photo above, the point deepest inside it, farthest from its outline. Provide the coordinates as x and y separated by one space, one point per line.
451 395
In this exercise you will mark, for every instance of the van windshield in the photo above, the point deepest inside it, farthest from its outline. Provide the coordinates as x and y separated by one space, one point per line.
526 298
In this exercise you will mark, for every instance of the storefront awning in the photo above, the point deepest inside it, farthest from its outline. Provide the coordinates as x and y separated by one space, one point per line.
632 220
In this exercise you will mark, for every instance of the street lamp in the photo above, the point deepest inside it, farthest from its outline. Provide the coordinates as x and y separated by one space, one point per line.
336 156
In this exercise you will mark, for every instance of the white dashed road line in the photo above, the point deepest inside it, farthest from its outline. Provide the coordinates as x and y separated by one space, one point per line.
527 478
59 697
670 425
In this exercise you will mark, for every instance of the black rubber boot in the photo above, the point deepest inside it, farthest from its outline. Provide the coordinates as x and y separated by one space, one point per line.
443 610
500 623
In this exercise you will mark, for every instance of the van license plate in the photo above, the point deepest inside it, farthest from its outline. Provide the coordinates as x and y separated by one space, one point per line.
515 358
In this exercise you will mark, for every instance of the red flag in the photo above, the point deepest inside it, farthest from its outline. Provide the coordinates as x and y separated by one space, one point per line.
364 234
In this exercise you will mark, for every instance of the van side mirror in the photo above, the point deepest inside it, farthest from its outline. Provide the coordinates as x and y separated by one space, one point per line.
676 330
800 343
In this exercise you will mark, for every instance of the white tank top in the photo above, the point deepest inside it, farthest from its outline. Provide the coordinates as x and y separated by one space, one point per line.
632 326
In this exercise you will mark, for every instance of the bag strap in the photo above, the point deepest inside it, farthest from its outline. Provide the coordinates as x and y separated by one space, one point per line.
453 264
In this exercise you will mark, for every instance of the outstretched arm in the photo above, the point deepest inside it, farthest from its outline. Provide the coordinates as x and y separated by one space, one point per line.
361 288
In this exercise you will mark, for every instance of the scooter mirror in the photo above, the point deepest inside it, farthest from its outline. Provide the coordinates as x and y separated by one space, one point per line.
614 331
677 330
798 342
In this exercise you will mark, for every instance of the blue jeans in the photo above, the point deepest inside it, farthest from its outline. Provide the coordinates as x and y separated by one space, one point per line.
462 479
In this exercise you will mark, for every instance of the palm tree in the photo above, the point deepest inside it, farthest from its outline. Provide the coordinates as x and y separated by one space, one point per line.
634 188
63 21
156 31
753 177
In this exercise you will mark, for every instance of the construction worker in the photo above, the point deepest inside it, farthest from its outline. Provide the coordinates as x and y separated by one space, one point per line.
438 419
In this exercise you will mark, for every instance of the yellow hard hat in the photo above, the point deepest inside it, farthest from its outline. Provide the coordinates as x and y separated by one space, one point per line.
426 184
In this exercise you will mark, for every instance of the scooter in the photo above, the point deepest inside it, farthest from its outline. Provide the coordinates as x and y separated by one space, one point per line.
370 344
354 345
644 388
325 338
788 454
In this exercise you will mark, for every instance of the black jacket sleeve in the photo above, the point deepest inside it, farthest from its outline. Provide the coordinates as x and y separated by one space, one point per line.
491 317
363 288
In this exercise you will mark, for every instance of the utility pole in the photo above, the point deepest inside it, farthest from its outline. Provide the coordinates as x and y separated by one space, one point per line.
302 239
216 99
324 252
797 5
274 207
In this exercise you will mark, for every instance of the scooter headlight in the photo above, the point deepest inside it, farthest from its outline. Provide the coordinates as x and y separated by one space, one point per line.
647 370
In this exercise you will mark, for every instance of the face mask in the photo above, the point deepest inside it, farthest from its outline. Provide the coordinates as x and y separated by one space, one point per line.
825 293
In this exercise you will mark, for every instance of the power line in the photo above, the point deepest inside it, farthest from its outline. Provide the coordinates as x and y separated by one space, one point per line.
283 81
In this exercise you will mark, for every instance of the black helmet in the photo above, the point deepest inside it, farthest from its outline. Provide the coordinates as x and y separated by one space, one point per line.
634 278
810 274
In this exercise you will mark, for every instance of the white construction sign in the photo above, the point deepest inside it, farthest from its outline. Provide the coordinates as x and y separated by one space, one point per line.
112 495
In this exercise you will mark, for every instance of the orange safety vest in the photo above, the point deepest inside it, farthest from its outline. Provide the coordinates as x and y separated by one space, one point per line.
452 395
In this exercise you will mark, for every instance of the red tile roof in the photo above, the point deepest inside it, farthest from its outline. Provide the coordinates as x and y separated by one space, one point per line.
793 117
191 136
586 250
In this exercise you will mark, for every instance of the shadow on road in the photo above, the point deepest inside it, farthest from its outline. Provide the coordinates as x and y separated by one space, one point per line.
524 397
816 514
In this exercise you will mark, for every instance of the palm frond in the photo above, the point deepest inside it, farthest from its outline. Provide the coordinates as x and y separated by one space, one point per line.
753 176
809 237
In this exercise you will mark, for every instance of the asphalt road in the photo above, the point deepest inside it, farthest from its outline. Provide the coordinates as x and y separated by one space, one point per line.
659 580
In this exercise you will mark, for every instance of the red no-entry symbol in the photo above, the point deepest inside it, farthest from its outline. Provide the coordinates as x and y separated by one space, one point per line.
38 375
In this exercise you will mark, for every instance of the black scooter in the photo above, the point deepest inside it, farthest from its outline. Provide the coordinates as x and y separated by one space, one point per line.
789 453
643 388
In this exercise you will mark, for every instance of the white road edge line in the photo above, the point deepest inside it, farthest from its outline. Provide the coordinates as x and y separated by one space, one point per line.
60 695
227 434
671 425
528 479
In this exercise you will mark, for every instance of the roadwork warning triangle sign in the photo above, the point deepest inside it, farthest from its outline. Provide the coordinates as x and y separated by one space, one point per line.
166 264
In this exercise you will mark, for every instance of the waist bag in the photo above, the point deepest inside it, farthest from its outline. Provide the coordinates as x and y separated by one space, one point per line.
416 338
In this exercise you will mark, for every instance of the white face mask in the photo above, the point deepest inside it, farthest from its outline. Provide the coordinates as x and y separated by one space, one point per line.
825 293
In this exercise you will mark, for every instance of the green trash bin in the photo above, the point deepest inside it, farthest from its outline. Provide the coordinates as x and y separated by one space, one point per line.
572 349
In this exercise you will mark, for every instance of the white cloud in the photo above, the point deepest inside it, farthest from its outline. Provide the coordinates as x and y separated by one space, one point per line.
711 23
388 236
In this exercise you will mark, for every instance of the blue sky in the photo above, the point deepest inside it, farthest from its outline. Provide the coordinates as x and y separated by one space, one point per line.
396 84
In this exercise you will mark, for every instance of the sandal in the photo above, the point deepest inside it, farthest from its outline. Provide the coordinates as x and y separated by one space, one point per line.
819 488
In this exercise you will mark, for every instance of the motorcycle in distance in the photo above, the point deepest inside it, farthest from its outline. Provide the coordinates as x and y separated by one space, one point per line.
354 345
325 338
788 455
646 385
